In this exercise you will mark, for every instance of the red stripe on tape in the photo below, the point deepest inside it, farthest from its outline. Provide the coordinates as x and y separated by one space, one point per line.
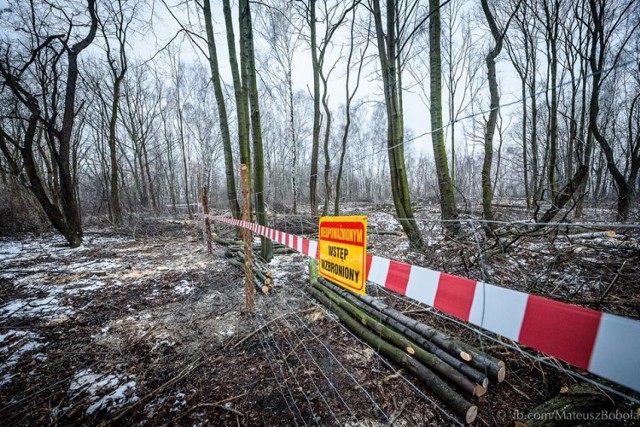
455 295
562 330
398 277
369 260
305 246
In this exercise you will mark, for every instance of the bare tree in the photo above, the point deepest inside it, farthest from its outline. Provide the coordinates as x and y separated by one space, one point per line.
349 95
494 105
445 183
222 111
612 28
33 78
387 49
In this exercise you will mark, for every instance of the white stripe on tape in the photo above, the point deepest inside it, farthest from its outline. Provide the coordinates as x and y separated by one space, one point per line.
423 284
379 270
615 352
498 309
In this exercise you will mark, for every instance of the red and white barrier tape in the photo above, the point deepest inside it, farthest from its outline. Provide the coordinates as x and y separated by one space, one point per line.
601 343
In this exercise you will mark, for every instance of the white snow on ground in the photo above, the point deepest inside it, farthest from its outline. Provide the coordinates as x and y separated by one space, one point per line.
382 221
9 250
283 266
92 266
14 345
54 247
48 307
183 287
104 391
83 285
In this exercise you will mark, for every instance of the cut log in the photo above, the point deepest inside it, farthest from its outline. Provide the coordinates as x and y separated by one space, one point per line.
617 244
495 368
579 400
283 250
228 242
478 377
594 235
461 406
259 280
399 340
259 267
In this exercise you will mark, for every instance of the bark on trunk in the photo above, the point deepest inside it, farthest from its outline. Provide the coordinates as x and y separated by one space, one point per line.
232 196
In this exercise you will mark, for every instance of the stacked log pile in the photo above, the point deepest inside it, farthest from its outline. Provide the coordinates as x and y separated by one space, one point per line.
278 249
262 276
453 370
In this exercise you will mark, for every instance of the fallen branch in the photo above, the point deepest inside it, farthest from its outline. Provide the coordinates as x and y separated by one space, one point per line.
578 400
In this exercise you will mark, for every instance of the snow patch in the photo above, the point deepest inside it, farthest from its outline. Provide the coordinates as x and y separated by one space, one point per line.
14 345
83 285
382 221
104 391
93 265
48 307
183 287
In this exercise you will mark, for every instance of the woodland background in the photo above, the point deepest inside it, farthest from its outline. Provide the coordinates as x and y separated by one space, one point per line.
94 123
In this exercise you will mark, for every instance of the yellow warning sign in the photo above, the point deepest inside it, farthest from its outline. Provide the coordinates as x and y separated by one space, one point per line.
343 251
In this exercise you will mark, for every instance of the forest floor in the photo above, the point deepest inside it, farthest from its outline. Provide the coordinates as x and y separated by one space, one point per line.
146 328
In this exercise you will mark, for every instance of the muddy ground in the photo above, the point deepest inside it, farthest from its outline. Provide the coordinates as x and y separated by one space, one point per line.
143 327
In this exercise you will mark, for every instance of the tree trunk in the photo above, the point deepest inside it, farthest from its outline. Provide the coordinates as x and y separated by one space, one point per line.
487 191
232 197
115 190
327 158
65 217
315 144
395 136
552 36
294 141
242 104
256 125
55 215
445 184
597 59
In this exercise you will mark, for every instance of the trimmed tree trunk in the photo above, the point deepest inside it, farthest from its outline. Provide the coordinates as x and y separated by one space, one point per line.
246 43
242 104
232 197
445 184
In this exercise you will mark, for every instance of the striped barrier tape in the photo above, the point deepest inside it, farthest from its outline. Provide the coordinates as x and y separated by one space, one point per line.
601 343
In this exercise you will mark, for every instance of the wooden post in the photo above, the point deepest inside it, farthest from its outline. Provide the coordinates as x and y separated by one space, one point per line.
246 237
207 220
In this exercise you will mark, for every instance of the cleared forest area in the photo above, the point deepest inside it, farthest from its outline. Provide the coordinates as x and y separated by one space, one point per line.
166 167
144 327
